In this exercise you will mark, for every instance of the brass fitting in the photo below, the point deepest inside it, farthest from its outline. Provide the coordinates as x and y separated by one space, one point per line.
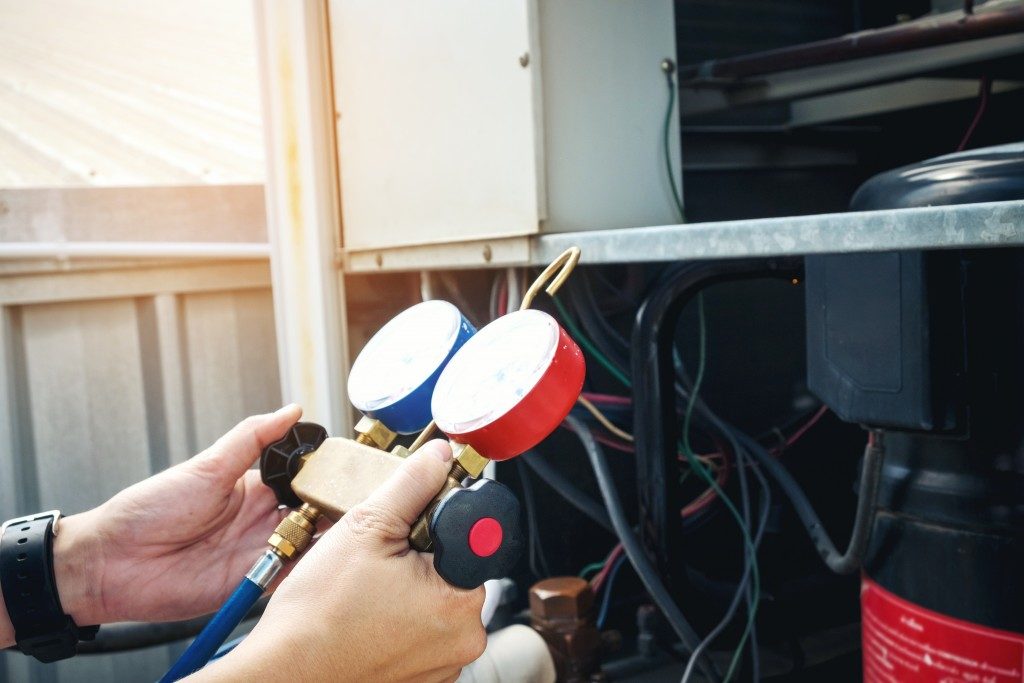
371 432
466 462
562 611
471 462
294 533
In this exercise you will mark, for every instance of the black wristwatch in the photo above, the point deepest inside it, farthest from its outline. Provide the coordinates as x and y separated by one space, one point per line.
41 628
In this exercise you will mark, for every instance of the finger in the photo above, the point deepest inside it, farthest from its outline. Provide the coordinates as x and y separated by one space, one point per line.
408 491
236 451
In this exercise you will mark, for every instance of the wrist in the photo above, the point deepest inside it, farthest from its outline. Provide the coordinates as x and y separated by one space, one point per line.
77 568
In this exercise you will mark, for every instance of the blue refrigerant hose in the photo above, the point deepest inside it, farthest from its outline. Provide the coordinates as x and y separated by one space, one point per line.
227 618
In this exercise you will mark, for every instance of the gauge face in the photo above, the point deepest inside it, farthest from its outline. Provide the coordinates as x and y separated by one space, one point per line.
394 375
510 385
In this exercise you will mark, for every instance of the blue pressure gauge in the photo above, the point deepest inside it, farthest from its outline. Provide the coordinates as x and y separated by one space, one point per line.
393 377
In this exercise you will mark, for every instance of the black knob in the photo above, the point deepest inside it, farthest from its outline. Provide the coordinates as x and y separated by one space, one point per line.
281 460
476 534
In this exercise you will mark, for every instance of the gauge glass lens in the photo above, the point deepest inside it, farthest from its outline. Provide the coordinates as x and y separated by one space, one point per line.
494 371
403 354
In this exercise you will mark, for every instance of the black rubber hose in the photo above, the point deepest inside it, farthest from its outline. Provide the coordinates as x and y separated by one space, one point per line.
635 551
567 490
138 635
870 477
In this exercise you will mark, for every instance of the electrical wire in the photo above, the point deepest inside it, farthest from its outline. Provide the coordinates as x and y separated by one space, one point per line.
607 399
137 635
547 473
535 551
599 578
588 346
870 477
605 422
634 549
669 69
606 600
750 574
984 92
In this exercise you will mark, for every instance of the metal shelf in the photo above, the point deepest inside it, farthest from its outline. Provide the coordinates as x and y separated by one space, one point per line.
995 224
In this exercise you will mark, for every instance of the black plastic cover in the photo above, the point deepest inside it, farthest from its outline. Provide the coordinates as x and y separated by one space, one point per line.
885 331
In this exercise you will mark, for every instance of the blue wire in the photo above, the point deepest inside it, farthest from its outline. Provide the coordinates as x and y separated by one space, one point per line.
216 632
607 600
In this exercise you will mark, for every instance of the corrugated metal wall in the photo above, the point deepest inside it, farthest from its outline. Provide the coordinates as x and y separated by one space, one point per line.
100 393
111 371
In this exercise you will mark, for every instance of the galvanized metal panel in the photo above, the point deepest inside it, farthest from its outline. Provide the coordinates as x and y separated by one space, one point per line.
232 359
86 399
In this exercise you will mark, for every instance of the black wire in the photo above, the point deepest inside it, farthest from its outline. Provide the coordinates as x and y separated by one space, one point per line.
138 635
565 488
535 550
871 469
635 550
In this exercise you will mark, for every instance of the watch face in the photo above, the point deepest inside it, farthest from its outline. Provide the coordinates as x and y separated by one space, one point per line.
492 373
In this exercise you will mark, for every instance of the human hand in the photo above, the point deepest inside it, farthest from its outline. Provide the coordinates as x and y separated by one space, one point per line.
175 545
361 604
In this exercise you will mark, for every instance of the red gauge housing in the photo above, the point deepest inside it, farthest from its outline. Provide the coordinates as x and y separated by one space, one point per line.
510 386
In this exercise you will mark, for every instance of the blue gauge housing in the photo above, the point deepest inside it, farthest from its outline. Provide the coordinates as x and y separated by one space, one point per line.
393 378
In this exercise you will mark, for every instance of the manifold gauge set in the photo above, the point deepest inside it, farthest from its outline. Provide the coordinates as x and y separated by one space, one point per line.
494 393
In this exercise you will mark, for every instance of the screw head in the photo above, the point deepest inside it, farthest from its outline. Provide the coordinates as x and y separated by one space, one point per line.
524 59
488 254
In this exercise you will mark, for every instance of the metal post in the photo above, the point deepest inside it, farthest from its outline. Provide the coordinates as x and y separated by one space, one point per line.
303 216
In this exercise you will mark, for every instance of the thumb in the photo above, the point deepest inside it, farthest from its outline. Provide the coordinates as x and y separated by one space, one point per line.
232 454
414 484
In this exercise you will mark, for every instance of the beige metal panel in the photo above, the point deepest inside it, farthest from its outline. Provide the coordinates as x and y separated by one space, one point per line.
232 359
128 92
438 121
194 213
605 100
511 251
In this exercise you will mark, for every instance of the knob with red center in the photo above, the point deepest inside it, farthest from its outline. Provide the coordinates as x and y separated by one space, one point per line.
476 534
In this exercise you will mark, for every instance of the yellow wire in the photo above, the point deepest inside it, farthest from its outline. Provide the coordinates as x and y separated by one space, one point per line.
605 422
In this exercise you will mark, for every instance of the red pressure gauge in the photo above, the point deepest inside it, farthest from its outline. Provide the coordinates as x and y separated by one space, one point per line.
510 385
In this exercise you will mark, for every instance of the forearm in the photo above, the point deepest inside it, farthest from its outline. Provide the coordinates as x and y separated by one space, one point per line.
76 567
6 630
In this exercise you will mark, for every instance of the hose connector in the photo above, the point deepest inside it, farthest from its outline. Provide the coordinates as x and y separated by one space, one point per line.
265 570
295 532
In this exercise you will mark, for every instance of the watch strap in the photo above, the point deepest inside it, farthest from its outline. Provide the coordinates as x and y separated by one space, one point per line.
42 629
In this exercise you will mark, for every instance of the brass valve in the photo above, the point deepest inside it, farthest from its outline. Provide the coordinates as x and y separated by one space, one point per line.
295 532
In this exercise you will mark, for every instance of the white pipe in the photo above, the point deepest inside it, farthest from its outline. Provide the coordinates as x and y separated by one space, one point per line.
10 251
515 654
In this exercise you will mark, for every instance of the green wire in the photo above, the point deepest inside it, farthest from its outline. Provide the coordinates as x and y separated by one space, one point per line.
592 567
666 130
588 346
702 471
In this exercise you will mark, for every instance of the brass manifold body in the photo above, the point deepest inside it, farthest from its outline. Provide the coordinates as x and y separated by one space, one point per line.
341 473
